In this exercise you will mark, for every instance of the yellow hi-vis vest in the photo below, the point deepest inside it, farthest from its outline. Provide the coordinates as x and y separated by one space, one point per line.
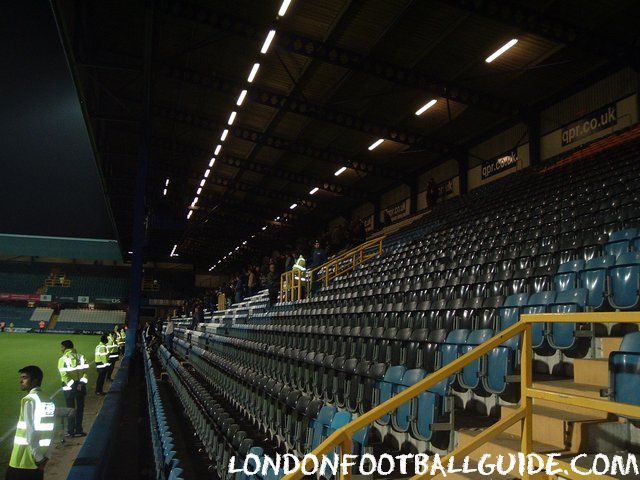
122 335
112 346
300 263
102 355
72 368
43 424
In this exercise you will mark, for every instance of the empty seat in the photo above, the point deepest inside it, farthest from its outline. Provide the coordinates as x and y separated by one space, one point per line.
569 337
620 242
625 282
624 371
567 276
594 279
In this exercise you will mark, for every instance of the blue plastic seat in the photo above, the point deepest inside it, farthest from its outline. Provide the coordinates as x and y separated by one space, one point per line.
594 279
450 350
567 276
563 335
321 425
470 377
624 371
401 419
388 387
620 241
625 282
539 303
428 407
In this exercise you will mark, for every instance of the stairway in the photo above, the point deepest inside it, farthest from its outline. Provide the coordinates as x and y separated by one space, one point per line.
555 429
53 321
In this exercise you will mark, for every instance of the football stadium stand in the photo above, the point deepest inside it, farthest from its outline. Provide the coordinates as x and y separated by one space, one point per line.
283 378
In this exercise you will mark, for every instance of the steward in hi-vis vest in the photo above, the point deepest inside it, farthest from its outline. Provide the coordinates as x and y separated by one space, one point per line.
34 430
102 363
73 373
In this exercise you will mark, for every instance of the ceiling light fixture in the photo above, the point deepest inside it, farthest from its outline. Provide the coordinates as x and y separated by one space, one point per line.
166 182
223 137
164 192
284 7
202 182
207 172
243 94
501 50
426 106
313 190
264 228
173 251
376 144
211 162
340 171
189 214
199 191
267 42
232 117
254 72
293 205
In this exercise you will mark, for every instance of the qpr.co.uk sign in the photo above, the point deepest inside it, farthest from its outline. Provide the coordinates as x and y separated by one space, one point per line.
493 167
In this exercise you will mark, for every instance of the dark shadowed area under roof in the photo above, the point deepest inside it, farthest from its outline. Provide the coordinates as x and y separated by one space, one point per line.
339 75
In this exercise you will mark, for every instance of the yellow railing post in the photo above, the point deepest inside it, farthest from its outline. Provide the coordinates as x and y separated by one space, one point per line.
345 449
526 402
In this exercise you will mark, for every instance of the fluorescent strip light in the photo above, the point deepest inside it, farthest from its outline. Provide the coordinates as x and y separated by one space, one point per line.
254 72
244 243
166 182
164 192
501 50
232 117
211 162
199 191
237 248
313 190
202 182
130 253
223 137
267 42
217 150
293 205
173 251
284 7
264 228
340 171
207 172
195 200
189 214
376 144
426 106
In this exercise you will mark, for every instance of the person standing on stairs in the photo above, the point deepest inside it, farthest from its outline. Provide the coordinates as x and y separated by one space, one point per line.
102 363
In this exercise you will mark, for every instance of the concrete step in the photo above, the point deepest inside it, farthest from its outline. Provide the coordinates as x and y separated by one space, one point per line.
570 387
565 430
609 344
591 371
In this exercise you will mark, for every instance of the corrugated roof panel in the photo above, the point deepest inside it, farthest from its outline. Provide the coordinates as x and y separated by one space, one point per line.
313 19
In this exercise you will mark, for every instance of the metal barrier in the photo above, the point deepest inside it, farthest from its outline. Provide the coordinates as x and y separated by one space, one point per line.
343 437
294 283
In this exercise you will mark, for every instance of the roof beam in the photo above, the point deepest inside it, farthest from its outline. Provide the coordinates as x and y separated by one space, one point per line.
279 143
260 168
308 109
527 18
342 57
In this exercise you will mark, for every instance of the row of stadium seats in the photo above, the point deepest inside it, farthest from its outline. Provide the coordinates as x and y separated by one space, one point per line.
23 317
166 464
92 287
563 241
21 282
89 320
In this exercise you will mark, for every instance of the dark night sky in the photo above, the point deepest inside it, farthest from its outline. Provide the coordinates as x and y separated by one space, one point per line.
49 181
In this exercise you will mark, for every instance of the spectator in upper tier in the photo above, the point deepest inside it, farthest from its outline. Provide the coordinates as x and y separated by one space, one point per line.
239 288
289 261
319 255
358 232
432 193
251 280
273 284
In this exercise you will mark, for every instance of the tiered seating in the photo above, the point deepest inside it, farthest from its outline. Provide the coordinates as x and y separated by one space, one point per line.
19 316
565 241
166 463
21 282
41 314
89 320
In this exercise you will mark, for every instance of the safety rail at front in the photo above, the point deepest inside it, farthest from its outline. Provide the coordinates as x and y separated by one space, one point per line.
294 283
343 437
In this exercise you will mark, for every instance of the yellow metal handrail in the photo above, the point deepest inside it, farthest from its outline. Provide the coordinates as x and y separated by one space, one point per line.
294 282
343 437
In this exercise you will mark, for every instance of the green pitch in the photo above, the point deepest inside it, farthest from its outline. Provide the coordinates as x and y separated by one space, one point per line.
20 349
